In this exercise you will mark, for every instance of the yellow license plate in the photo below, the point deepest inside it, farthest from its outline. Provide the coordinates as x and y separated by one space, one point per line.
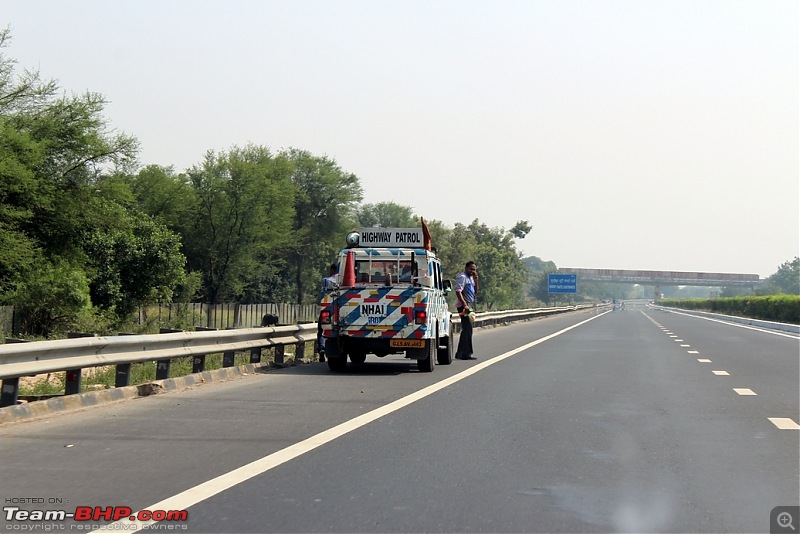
407 343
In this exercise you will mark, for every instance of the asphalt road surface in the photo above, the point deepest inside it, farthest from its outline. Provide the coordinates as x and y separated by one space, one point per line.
617 421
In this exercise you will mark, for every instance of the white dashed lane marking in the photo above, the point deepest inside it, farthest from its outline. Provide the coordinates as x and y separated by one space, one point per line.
784 423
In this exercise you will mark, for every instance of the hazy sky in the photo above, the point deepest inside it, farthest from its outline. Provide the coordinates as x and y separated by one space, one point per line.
631 134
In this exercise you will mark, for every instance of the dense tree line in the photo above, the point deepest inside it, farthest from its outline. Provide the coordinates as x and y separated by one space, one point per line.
88 234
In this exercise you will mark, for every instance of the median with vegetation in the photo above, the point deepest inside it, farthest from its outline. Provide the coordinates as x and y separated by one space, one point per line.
778 308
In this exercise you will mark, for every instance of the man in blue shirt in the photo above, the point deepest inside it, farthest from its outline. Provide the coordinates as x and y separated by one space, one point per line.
466 285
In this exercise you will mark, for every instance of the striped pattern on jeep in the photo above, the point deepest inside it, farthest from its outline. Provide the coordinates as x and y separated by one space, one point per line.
387 312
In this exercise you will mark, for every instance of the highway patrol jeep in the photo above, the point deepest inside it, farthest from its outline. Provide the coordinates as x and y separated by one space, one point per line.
389 298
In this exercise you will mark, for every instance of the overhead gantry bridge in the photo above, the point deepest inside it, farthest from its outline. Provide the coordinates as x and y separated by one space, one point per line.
664 278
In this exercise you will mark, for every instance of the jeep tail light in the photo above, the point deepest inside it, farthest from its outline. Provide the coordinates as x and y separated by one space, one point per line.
420 317
325 317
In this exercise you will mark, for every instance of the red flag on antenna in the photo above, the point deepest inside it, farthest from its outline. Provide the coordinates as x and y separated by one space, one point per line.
426 235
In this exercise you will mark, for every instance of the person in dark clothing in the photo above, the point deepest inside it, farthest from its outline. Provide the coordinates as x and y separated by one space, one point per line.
466 284
327 283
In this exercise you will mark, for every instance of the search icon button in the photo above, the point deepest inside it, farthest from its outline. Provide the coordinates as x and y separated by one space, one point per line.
785 520
782 519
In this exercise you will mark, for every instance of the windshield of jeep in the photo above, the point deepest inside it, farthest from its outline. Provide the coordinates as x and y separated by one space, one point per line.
383 270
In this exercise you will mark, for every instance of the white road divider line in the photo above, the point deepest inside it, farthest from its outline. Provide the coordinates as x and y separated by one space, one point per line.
212 487
744 391
784 423
737 325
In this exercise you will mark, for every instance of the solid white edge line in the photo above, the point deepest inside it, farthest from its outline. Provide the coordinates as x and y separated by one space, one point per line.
208 489
747 326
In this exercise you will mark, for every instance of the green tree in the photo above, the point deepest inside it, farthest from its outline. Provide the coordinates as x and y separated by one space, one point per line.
50 299
135 264
61 202
503 276
325 197
787 278
539 287
240 225
386 215
18 185
605 290
20 155
537 284
165 196
443 242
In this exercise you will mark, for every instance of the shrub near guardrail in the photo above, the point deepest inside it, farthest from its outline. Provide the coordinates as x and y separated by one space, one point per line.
778 308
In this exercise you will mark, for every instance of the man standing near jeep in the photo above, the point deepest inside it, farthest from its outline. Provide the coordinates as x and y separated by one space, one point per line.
466 284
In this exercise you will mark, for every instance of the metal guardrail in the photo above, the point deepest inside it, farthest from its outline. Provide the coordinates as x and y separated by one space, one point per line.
73 355
509 316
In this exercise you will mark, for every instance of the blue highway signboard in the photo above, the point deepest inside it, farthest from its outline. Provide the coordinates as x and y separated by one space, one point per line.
562 283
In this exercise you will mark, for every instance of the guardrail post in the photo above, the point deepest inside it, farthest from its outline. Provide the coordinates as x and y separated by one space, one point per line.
162 366
123 370
162 369
123 375
198 363
279 351
9 391
227 359
255 355
9 394
300 351
73 380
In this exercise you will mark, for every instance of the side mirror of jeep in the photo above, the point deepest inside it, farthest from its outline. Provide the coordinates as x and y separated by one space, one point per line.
447 285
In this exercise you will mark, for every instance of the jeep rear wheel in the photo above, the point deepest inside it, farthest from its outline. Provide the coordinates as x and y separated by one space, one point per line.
337 360
426 364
